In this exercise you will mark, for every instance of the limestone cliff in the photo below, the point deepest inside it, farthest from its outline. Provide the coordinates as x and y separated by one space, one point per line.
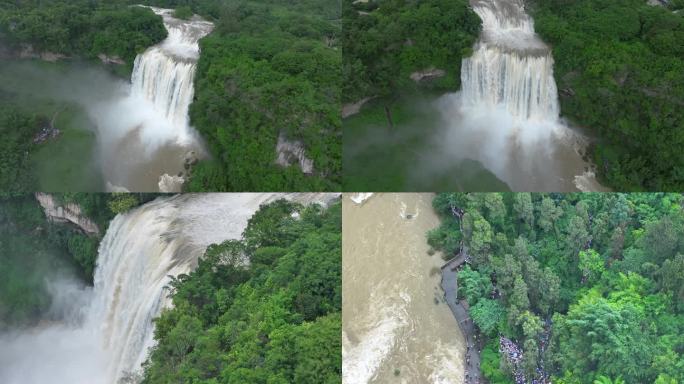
66 213
293 152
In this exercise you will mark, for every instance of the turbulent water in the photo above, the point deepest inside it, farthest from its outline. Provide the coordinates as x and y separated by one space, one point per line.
389 287
164 73
511 66
507 114
147 151
104 333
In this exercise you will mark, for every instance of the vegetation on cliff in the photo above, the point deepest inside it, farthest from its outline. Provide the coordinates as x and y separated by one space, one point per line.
386 41
265 309
620 71
82 28
16 134
385 44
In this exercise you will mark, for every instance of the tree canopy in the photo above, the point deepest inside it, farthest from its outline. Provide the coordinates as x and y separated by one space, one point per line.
84 28
619 66
384 41
265 309
588 284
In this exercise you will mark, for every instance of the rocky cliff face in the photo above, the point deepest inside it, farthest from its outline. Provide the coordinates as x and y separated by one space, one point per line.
28 52
293 152
66 213
428 74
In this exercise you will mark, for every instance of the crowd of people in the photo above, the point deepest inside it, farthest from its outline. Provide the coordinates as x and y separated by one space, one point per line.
473 366
514 354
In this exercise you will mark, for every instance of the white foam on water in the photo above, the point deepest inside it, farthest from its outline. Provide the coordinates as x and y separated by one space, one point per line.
360 198
360 362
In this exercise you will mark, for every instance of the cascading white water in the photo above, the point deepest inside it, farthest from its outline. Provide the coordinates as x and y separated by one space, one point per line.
146 142
510 65
164 73
506 116
167 83
140 252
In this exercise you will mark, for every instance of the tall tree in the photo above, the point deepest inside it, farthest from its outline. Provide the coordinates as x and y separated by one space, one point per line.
524 210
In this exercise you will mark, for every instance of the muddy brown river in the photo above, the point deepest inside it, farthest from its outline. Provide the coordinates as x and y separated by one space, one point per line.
396 329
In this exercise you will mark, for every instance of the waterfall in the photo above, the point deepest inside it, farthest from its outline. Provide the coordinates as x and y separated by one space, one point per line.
506 116
510 66
164 73
139 253
166 82
146 141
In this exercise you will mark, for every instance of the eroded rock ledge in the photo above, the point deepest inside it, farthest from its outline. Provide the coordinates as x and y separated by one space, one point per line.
66 213
428 74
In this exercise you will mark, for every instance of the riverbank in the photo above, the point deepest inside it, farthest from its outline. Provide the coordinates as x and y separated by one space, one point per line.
109 31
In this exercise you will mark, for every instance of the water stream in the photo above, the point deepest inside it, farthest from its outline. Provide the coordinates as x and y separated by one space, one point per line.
396 329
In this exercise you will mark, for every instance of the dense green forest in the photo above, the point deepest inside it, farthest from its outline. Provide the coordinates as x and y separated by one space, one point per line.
83 28
591 286
620 71
384 41
32 249
265 309
16 135
269 68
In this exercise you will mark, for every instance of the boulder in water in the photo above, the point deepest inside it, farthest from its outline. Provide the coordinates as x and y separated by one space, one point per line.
191 159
